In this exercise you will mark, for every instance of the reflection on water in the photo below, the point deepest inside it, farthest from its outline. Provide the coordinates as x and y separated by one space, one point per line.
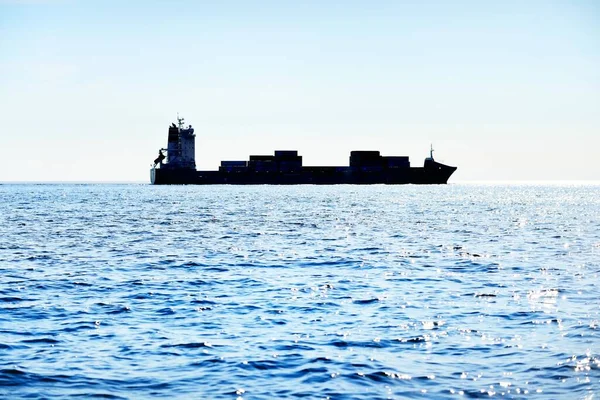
347 292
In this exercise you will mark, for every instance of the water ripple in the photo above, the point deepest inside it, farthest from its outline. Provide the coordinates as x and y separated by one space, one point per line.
137 291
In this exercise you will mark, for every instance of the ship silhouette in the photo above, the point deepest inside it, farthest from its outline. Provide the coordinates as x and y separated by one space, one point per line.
284 167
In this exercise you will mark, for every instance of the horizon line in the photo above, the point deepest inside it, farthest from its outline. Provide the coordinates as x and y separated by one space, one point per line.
461 182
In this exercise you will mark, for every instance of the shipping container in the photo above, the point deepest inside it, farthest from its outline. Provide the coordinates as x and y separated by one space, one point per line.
233 169
234 163
286 153
365 158
262 165
365 154
262 158
397 162
289 166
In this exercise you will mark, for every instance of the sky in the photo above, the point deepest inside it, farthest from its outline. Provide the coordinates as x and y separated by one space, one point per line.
506 91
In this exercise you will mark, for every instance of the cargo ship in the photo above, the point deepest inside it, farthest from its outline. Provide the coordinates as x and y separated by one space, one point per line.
176 165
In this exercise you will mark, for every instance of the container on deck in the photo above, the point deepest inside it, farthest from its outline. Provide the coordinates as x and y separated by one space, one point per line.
286 153
262 158
397 162
234 163
365 159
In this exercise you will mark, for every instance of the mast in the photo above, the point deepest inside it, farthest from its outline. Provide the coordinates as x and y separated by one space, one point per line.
179 122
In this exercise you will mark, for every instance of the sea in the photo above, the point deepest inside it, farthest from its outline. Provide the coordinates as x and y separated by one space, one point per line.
134 291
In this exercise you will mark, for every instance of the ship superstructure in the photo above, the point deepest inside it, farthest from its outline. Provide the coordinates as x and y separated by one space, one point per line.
181 148
285 167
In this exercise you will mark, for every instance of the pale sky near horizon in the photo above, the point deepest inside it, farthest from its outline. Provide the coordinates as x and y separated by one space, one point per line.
504 90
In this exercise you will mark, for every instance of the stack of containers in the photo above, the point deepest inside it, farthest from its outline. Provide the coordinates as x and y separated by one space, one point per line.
288 161
397 162
262 164
233 166
367 161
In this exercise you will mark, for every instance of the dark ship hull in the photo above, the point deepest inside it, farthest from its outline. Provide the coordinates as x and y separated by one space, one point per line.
285 168
435 173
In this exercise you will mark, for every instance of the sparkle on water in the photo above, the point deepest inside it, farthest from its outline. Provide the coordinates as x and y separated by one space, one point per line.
345 292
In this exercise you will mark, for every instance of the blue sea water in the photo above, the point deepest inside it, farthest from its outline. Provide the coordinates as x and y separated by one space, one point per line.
262 292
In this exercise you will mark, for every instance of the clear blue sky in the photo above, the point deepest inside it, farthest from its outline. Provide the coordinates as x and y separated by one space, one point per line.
505 90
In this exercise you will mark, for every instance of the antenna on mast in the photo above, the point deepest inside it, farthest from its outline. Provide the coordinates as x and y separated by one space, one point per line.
179 121
431 151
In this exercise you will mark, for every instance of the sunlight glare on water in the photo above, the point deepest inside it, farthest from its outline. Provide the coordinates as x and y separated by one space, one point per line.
257 292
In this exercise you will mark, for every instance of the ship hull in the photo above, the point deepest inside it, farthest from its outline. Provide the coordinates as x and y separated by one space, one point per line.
432 174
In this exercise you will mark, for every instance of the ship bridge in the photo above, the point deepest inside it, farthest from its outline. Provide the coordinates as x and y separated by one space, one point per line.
181 148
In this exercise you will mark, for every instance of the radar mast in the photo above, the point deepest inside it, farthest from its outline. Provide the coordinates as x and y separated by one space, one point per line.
180 122
431 152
